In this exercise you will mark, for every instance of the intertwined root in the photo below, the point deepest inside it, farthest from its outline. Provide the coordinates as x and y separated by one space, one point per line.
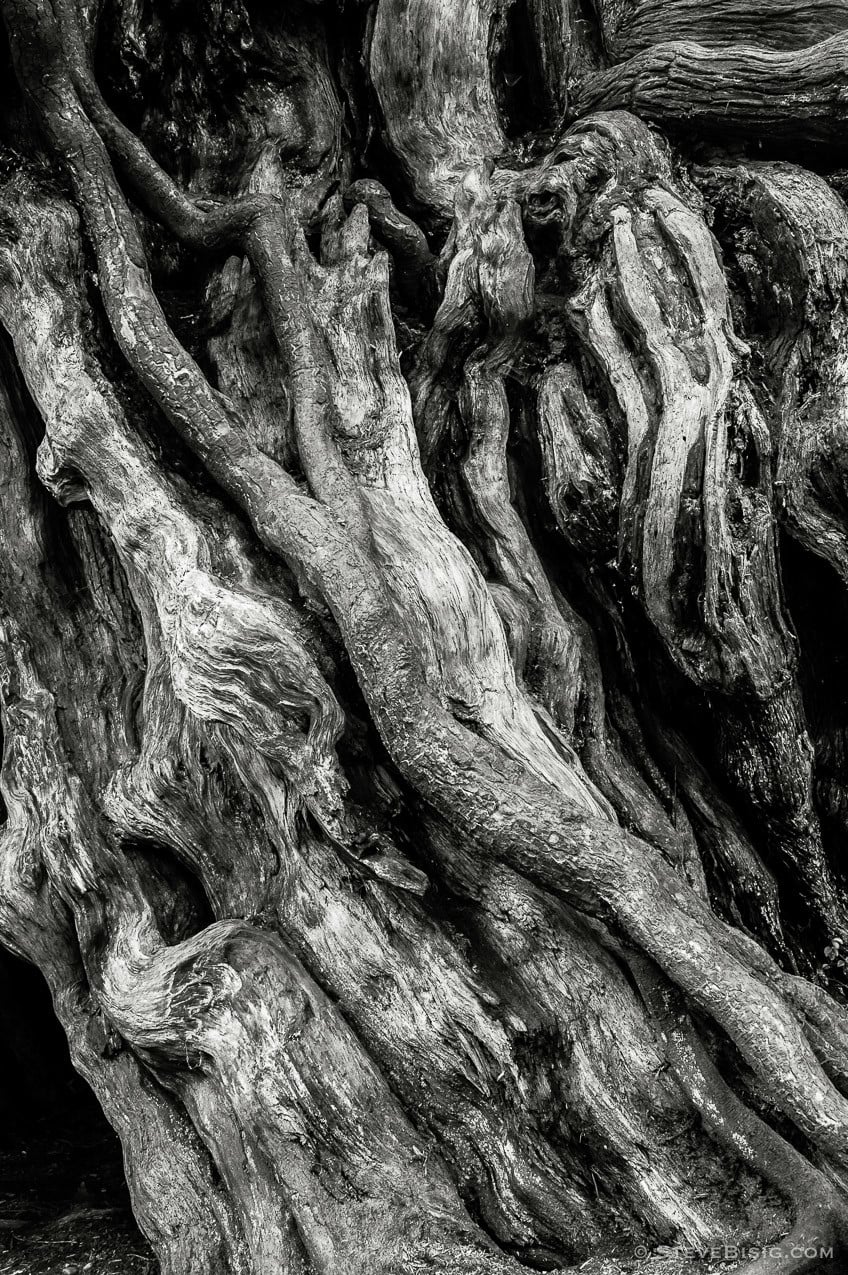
352 1068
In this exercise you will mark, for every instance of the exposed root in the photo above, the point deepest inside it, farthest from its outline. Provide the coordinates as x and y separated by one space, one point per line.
526 1200
281 1083
480 790
733 88
777 24
821 1210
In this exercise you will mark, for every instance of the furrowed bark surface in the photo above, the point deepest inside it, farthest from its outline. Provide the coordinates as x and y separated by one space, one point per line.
422 775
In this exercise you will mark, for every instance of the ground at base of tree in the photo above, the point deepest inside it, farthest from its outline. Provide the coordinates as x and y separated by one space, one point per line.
64 1206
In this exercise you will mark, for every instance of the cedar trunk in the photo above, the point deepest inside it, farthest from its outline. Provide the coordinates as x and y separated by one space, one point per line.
423 602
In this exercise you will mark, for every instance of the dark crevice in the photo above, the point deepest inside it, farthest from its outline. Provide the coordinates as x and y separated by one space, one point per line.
813 590
518 77
63 1197
174 891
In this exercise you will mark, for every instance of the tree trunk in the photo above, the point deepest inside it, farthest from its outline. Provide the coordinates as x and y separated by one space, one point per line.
424 588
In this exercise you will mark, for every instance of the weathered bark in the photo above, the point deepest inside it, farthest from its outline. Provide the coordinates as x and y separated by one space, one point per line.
418 798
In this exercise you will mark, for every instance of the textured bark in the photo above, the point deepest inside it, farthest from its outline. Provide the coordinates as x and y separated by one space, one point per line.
424 783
